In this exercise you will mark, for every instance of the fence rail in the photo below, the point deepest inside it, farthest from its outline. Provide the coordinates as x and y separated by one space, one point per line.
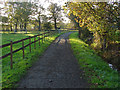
23 46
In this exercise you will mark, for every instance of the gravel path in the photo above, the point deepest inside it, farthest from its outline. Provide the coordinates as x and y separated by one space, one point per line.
57 68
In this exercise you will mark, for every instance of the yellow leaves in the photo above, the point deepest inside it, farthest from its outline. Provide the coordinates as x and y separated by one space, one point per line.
81 25
69 14
74 13
79 16
76 20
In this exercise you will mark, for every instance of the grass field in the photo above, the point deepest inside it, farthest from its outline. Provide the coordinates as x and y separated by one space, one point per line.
20 65
99 74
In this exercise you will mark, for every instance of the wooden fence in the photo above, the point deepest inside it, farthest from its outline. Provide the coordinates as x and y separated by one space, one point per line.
23 46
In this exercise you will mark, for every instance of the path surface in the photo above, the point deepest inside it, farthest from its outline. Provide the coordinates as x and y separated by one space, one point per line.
57 68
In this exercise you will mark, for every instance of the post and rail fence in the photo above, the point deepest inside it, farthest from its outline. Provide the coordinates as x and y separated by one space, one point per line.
23 46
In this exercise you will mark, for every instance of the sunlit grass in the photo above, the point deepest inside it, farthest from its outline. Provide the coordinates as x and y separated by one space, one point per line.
98 71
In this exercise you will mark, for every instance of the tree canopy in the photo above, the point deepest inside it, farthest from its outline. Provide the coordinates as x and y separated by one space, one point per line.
101 18
55 13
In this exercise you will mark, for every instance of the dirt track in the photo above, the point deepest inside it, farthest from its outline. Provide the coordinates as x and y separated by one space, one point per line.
57 68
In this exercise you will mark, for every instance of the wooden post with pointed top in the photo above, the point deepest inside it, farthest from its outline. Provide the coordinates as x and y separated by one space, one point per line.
34 42
39 40
11 57
23 47
30 43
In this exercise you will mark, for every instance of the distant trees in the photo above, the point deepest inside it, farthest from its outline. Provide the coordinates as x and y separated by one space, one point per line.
10 12
20 14
4 20
39 9
47 26
55 13
23 11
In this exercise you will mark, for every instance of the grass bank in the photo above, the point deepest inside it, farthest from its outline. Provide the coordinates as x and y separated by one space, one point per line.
20 66
99 74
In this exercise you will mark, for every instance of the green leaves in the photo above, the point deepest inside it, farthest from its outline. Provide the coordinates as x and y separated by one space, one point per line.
99 17
55 13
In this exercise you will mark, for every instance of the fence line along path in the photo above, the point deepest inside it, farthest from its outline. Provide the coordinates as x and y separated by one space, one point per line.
46 34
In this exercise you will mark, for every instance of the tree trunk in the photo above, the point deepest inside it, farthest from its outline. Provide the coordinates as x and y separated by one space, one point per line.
104 44
3 27
20 27
118 24
6 28
39 25
79 33
55 25
79 28
11 27
25 27
15 27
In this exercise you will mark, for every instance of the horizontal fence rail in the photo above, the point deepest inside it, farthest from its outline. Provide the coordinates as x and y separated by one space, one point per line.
46 34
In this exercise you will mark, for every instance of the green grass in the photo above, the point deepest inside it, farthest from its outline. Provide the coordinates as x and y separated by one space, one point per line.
99 73
7 37
20 66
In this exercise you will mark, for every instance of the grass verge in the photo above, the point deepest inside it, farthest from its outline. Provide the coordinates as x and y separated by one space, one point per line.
20 66
99 73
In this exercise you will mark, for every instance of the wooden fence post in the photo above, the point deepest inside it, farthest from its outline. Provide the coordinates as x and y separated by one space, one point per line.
48 36
23 47
34 42
30 43
11 57
42 38
39 40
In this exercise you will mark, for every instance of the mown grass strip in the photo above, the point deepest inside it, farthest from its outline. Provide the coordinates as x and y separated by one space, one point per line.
20 66
99 73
